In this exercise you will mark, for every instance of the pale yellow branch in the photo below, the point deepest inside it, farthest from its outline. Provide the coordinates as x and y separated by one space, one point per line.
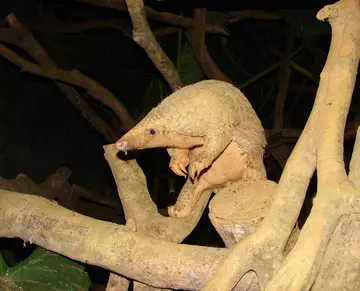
143 36
141 210
277 225
108 245
138 205
334 188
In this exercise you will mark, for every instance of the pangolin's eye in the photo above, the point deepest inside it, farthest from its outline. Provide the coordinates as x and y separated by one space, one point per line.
151 132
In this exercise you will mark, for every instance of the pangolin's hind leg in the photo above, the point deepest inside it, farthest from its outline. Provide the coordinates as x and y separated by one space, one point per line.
253 143
202 157
188 197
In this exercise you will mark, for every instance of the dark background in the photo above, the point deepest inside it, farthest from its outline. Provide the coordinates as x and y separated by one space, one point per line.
40 131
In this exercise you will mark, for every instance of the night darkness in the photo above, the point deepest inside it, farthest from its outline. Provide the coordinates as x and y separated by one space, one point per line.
41 131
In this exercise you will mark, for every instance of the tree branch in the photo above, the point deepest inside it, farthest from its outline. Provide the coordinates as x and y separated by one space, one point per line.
108 245
196 37
141 210
284 83
166 17
143 36
73 77
340 272
277 225
337 82
139 206
26 41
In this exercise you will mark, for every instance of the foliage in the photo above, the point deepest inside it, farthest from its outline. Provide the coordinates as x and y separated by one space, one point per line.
44 271
189 71
215 16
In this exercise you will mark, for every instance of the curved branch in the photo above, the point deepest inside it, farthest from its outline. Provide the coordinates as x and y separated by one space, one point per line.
139 206
73 77
104 244
143 36
276 227
24 39
196 37
334 188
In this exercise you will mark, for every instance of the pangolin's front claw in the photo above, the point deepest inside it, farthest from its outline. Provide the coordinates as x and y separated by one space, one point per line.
195 169
178 170
183 168
178 165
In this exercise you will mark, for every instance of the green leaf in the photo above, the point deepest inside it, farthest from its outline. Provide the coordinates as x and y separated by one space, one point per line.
45 271
190 71
214 16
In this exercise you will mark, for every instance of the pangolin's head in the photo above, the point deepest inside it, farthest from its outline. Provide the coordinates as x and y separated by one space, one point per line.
143 135
154 132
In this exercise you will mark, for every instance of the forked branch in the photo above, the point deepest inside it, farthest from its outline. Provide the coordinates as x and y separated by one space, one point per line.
262 251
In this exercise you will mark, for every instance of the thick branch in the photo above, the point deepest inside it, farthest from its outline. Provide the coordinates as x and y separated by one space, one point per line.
334 188
143 36
108 245
276 227
138 205
341 272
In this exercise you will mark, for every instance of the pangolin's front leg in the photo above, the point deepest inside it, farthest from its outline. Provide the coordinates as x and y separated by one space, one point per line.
203 156
179 161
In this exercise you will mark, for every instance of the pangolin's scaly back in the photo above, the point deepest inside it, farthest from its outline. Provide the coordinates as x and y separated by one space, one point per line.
193 108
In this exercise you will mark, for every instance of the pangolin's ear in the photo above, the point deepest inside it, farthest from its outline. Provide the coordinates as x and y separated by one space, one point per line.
161 130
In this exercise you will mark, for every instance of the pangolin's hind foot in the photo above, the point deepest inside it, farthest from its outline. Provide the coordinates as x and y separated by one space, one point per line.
188 198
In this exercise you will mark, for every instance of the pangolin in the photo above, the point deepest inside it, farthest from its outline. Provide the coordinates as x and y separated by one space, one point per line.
210 127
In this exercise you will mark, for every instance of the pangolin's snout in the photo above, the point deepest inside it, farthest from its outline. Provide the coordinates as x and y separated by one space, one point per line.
123 145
